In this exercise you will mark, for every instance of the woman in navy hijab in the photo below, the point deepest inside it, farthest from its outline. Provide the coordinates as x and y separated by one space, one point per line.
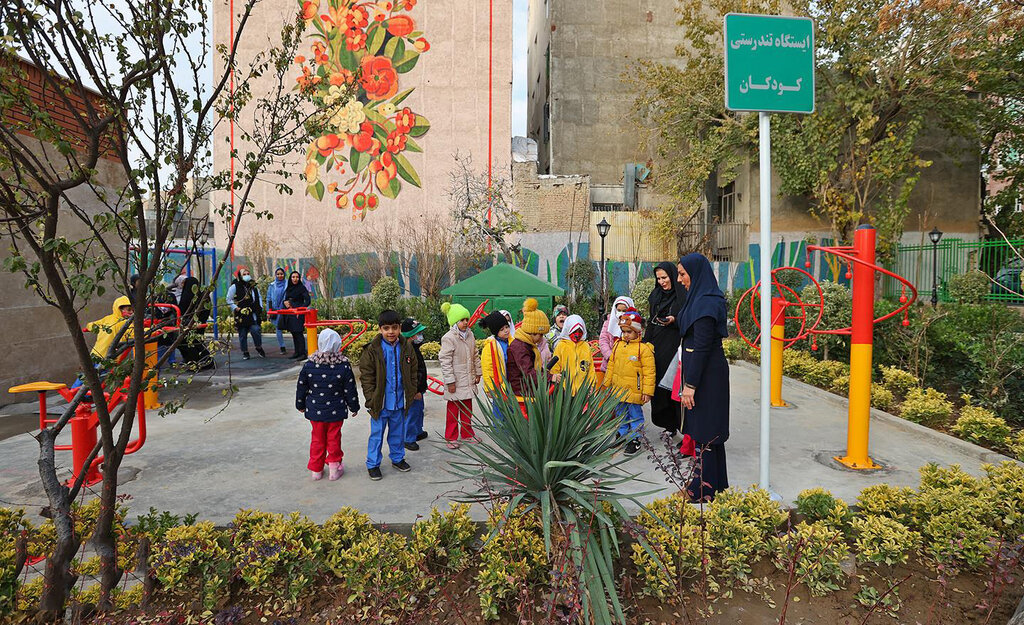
704 391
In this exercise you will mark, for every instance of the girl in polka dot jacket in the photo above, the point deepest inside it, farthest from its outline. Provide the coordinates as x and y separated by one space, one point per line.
326 393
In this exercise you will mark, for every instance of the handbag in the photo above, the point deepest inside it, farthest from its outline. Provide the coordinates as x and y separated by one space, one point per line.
669 381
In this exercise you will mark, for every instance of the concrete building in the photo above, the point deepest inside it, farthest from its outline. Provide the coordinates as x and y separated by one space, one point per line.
461 84
36 345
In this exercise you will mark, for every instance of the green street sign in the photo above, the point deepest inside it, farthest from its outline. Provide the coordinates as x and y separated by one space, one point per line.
769 63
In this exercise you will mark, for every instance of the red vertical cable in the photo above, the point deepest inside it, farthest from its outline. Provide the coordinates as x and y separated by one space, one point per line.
490 102
231 120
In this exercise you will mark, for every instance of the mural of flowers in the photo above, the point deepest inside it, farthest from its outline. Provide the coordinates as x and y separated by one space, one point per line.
359 49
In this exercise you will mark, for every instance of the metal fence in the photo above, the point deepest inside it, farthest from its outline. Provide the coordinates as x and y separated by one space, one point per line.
950 257
718 241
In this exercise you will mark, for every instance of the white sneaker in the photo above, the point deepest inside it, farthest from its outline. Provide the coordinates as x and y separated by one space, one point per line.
337 469
317 475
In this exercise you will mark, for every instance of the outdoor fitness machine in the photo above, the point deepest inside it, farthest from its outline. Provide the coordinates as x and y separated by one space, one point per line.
860 258
355 327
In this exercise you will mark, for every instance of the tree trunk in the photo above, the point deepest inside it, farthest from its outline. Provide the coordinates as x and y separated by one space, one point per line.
58 577
104 538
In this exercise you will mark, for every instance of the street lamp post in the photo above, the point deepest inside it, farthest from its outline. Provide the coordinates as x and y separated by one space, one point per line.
602 229
935 235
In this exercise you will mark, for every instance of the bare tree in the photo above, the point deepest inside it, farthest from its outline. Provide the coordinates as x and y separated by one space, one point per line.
325 246
381 242
259 248
128 80
437 262
483 215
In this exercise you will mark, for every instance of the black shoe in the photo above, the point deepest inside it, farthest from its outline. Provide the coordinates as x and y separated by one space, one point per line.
633 447
301 357
294 356
412 446
246 356
421 436
263 354
375 473
284 351
402 466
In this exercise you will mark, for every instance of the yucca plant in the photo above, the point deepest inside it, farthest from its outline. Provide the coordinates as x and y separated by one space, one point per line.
559 462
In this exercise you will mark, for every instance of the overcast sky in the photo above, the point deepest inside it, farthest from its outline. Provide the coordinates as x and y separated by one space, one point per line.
519 68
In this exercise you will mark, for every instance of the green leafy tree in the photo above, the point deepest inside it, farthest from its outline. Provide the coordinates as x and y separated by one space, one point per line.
134 78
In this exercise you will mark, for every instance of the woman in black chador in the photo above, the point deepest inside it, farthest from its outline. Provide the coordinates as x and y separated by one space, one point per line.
666 301
704 388
295 296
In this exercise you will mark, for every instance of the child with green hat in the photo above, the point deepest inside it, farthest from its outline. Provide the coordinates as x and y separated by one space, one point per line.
460 372
414 432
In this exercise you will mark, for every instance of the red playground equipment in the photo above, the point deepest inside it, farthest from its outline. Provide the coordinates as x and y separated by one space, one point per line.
353 328
860 258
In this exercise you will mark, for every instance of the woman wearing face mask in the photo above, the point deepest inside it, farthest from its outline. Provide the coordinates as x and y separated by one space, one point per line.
574 356
244 299
275 300
666 301
295 296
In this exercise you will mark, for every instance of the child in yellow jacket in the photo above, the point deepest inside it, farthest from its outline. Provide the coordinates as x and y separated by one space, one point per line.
631 369
575 358
495 354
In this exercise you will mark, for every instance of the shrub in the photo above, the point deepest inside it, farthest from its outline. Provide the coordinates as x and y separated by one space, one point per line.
838 302
897 380
970 287
340 532
881 397
379 565
581 279
267 327
823 372
926 406
274 553
513 557
734 348
385 294
673 530
796 363
816 551
641 291
29 594
881 540
12 524
1015 444
817 504
955 513
355 349
430 350
981 426
443 541
892 502
1007 483
841 385
193 560
741 527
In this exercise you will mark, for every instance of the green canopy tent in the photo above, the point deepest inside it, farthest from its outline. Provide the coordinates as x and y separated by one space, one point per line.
506 286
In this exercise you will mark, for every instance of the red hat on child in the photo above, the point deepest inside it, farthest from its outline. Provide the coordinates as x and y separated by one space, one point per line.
630 318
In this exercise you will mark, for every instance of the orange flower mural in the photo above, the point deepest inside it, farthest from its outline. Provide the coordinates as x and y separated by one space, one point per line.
359 50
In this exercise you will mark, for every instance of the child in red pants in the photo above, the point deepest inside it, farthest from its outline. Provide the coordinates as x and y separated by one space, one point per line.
326 393
461 371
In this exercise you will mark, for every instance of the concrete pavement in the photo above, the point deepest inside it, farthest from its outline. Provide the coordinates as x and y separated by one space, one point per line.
220 454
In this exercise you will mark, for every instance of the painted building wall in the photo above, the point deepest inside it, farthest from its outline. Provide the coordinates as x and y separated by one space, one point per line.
461 85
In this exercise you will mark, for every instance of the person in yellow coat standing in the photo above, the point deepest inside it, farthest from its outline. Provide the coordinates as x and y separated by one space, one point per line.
631 370
494 356
575 357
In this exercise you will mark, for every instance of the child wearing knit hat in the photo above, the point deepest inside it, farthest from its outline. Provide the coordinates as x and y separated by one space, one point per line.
525 366
460 372
494 356
631 370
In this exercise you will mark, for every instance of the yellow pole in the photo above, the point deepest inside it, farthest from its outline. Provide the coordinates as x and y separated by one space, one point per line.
311 317
778 335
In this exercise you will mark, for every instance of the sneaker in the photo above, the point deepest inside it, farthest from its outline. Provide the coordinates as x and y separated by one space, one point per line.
375 473
245 356
263 354
412 446
421 436
317 475
452 445
337 469
633 447
284 351
402 466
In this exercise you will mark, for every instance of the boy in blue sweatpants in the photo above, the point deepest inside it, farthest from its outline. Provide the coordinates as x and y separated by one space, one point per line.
388 371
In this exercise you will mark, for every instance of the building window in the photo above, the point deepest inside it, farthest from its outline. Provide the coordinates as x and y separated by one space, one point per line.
547 122
727 204
603 207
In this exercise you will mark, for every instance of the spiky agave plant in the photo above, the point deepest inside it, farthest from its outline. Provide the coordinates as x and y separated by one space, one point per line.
559 462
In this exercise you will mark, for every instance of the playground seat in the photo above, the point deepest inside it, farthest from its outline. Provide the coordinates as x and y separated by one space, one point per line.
37 387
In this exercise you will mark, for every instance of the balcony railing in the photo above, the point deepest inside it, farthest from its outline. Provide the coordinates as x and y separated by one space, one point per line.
718 241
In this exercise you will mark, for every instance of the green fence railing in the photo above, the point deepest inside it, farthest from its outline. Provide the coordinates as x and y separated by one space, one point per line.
999 259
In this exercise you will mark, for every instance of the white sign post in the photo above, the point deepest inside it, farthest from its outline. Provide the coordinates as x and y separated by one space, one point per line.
769 67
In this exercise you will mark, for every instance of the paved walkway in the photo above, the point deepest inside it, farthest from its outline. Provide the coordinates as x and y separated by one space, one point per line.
216 456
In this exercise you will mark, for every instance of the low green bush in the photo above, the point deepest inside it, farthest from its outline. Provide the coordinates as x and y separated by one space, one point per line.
740 526
881 540
823 372
841 385
882 398
514 556
819 505
1015 443
816 552
1006 480
926 406
970 287
194 561
385 293
797 363
981 426
274 553
734 348
956 515
897 380
443 541
893 502
430 350
355 349
673 530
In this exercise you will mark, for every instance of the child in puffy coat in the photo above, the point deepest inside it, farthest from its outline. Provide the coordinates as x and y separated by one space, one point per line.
494 356
461 372
631 370
326 393
574 356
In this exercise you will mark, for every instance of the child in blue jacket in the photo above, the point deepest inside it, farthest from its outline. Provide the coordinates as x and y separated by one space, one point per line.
326 393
